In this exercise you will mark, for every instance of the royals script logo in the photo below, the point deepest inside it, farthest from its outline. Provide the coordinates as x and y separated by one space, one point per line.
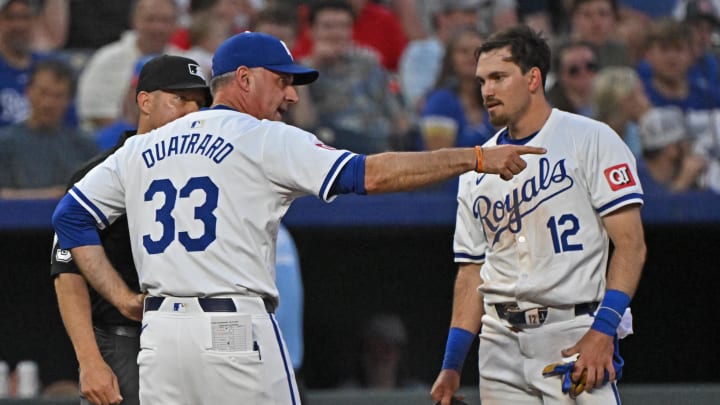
498 216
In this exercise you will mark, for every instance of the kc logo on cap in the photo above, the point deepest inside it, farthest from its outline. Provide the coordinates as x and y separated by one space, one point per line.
256 49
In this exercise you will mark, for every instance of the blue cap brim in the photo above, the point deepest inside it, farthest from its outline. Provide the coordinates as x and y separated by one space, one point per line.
301 74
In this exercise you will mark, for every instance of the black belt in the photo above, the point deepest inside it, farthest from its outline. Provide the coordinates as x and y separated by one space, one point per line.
119 330
511 313
209 304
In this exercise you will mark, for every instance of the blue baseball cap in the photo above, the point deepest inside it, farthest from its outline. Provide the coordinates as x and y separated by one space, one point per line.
256 49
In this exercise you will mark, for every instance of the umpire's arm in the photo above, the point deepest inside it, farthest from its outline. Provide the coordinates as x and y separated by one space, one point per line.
76 231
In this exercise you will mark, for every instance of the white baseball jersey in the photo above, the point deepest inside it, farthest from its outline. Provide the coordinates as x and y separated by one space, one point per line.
204 196
540 235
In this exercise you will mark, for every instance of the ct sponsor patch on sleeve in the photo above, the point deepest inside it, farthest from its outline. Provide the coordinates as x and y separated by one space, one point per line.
63 256
619 177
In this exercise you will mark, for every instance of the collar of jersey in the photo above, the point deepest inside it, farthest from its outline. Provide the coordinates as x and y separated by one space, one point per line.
218 107
504 138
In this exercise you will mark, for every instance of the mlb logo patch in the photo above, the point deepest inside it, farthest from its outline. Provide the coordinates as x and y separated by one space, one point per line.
178 307
195 70
63 256
619 177
197 124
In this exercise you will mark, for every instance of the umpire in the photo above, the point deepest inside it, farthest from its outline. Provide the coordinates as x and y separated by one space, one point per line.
106 343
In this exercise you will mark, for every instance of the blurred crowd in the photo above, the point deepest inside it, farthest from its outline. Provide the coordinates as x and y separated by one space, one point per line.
395 74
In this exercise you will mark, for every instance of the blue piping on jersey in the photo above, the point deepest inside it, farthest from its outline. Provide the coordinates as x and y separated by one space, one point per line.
632 196
85 202
467 256
331 175
284 358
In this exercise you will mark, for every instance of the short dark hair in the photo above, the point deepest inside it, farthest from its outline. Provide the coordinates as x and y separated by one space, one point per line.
279 14
320 5
527 48
577 3
667 31
60 69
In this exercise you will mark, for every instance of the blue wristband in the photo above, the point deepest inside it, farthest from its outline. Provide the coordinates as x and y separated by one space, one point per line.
611 311
458 344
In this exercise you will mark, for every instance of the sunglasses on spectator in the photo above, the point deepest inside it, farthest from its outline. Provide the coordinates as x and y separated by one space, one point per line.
574 70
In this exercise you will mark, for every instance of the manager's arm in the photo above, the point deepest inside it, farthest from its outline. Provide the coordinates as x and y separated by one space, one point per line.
404 171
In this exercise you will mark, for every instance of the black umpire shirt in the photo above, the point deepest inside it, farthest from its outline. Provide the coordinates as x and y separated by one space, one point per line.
116 241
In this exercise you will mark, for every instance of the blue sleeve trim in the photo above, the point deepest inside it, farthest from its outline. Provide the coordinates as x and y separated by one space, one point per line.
332 174
89 206
351 178
467 256
620 202
74 225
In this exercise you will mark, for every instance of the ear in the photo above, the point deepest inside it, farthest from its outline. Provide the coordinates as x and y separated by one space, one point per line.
534 79
143 100
243 77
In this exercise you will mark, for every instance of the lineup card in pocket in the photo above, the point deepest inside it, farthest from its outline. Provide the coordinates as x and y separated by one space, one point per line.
232 333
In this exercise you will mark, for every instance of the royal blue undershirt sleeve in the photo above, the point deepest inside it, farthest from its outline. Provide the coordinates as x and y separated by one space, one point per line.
351 178
74 226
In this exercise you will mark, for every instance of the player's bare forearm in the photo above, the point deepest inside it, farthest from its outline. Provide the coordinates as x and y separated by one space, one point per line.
95 266
625 229
74 305
405 171
467 301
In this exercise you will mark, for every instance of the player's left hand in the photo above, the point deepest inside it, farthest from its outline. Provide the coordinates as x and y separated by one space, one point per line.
595 359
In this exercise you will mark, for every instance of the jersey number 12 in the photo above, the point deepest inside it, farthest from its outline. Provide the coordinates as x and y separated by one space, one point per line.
569 225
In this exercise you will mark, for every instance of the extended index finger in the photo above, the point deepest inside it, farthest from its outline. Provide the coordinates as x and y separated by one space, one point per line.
535 150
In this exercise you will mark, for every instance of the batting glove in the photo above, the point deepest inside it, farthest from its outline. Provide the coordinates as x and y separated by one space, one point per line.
564 370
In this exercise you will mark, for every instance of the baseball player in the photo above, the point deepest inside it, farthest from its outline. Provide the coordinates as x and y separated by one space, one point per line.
536 247
204 196
107 343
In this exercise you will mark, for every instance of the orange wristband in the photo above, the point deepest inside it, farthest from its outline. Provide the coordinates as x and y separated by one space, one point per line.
479 161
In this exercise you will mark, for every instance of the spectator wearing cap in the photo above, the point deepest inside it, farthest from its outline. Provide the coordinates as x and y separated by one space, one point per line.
108 73
420 62
167 87
41 153
668 162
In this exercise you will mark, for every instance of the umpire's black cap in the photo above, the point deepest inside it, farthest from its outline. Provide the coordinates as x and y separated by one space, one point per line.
167 72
